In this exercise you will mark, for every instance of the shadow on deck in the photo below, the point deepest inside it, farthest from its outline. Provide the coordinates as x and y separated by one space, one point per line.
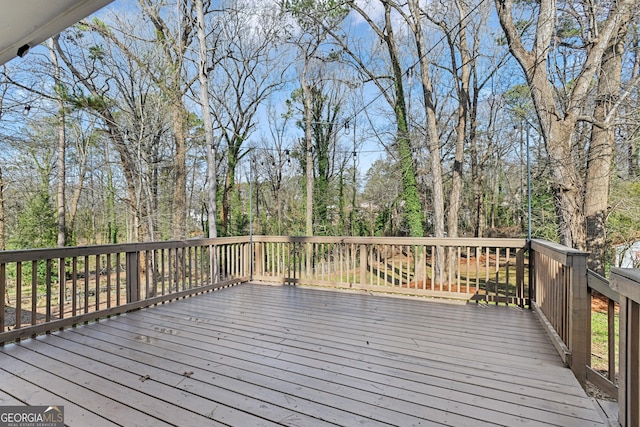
282 355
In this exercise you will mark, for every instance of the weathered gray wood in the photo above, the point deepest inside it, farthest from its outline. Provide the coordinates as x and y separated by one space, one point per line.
624 360
3 292
149 403
499 376
626 281
349 385
557 342
579 317
555 251
611 341
93 250
171 386
629 384
601 285
300 356
33 330
603 383
83 406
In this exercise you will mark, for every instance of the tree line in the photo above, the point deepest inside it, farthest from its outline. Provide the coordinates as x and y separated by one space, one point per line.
168 119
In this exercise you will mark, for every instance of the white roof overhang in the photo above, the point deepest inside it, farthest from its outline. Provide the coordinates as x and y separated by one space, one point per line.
27 23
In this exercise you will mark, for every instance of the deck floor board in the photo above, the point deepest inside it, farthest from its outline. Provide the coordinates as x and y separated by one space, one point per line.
283 355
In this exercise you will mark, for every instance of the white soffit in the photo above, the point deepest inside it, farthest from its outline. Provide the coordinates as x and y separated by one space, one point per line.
30 22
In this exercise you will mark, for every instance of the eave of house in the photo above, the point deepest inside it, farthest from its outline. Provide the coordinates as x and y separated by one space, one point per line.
30 22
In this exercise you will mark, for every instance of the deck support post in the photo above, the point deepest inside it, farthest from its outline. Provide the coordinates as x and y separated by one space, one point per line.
133 277
579 317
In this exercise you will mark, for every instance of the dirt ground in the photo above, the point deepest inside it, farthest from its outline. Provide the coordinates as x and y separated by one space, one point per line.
600 303
10 317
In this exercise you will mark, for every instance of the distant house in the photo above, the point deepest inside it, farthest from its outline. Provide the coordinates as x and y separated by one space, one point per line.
628 255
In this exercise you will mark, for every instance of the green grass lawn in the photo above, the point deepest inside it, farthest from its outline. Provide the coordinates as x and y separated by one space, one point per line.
599 345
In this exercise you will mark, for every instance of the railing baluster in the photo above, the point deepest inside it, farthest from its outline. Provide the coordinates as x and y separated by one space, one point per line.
3 292
108 280
74 285
34 291
18 293
118 272
48 289
86 284
459 259
611 339
62 281
98 282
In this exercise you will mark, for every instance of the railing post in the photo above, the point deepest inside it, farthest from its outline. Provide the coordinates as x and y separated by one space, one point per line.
133 277
532 275
579 317
363 265
520 297
257 258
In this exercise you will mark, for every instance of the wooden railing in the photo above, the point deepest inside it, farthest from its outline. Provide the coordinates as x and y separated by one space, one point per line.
561 300
601 293
491 270
46 289
626 282
564 290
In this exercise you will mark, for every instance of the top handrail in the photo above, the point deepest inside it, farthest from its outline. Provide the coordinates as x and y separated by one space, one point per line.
431 241
626 282
91 250
556 251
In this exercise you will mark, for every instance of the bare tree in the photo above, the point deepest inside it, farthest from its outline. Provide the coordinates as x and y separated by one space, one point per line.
168 76
99 100
211 146
277 159
315 20
601 148
559 120
249 69
62 145
3 243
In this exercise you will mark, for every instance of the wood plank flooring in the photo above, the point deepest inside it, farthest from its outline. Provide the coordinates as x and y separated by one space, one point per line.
256 355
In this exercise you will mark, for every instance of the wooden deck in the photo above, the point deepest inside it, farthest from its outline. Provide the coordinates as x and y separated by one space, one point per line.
281 355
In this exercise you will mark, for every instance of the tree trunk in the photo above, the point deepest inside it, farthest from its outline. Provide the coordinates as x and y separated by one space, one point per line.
601 151
566 184
308 118
229 193
412 206
62 144
463 115
203 77
77 192
433 137
179 220
557 127
3 244
118 138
